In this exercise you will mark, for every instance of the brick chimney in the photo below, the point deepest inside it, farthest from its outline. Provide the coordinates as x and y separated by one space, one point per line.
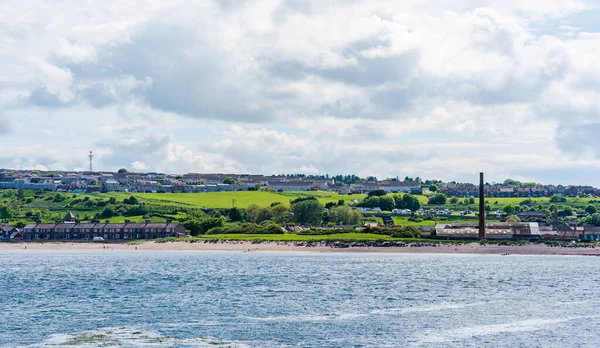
481 207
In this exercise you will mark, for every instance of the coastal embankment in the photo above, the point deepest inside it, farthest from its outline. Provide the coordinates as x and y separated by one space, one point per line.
358 247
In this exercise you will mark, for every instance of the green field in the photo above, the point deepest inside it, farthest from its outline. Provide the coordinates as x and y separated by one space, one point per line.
240 199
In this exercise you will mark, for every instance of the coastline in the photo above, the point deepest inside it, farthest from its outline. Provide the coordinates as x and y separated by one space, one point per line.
246 246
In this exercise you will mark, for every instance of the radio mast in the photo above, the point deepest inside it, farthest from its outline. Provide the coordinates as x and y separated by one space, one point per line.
91 157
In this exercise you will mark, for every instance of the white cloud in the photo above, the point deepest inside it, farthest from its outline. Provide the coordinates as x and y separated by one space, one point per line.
419 88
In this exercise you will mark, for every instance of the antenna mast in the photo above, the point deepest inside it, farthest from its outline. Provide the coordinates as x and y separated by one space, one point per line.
91 157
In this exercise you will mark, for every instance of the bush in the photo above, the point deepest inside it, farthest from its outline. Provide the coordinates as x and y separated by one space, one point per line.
403 232
322 232
438 199
216 230
267 227
108 212
377 193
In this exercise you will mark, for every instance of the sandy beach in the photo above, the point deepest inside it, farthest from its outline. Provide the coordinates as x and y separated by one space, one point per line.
239 246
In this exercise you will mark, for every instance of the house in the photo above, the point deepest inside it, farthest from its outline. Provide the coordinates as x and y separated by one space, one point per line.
339 188
532 215
494 230
296 185
75 230
7 231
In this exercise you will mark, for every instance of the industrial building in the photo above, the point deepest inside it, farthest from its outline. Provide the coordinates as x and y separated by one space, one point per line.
495 230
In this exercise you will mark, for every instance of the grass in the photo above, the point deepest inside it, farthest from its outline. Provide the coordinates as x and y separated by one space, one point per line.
241 199
296 237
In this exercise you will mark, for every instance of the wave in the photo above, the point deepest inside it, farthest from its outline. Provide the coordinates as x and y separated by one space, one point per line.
466 333
128 337
438 307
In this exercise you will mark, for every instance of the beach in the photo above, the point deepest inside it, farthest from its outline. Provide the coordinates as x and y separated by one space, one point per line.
244 246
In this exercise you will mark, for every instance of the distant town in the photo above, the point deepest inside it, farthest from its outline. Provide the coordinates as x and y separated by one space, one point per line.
124 181
407 208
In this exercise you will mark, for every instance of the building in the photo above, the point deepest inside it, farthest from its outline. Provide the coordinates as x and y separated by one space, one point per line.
494 230
8 232
71 229
532 215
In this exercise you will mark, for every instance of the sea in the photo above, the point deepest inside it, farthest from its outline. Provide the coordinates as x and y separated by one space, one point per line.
230 299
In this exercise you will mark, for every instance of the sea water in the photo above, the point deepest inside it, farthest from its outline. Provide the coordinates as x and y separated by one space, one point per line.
193 299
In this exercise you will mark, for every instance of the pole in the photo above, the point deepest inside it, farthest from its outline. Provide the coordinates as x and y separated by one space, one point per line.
481 208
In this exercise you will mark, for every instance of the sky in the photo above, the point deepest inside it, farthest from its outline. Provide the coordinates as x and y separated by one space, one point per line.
436 89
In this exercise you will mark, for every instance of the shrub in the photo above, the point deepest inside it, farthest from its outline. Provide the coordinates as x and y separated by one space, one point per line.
267 227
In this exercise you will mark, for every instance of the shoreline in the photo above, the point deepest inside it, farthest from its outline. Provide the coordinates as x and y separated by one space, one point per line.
246 246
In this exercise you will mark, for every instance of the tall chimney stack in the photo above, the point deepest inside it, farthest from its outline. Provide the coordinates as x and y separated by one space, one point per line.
481 207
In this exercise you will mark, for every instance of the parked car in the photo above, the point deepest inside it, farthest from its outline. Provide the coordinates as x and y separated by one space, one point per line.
98 239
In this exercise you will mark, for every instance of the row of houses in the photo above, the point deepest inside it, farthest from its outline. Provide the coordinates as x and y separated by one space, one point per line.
72 229
191 182
495 230
499 190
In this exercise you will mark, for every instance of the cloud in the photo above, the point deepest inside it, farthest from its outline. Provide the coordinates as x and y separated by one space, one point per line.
441 89
160 153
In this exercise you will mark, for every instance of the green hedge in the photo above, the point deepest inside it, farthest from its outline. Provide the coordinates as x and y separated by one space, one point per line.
266 227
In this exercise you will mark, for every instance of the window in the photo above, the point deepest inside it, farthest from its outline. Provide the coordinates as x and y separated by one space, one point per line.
118 236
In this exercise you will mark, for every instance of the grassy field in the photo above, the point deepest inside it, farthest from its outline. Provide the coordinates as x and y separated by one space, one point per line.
240 199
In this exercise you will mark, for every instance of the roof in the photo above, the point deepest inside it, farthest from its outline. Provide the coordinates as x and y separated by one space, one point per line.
134 225
69 217
85 225
161 225
45 226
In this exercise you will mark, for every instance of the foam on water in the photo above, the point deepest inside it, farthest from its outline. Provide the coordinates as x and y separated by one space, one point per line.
466 333
128 337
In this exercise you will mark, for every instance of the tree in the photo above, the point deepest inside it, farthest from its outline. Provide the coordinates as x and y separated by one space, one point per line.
454 200
513 218
108 212
511 182
211 222
307 211
229 181
280 213
344 215
565 211
407 201
112 200
329 205
528 202
377 193
433 188
6 212
370 202
131 200
590 209
595 219
386 203
235 214
471 200
508 209
20 194
198 226
58 198
558 199
122 170
438 199
258 214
